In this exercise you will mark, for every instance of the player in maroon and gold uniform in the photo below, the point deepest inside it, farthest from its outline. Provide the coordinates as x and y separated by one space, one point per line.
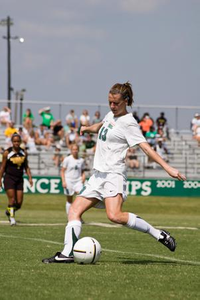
13 165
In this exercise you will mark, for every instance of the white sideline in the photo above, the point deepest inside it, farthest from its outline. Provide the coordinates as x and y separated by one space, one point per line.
106 225
196 263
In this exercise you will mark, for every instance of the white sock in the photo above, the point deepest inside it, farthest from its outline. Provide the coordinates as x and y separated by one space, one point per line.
72 232
67 207
135 222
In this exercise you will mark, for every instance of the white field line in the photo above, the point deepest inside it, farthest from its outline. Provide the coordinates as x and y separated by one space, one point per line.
196 263
106 225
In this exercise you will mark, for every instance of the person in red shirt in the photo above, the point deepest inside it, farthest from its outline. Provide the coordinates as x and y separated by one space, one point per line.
145 123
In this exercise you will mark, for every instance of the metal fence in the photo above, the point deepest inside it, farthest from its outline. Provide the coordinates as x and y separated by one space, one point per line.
179 117
41 163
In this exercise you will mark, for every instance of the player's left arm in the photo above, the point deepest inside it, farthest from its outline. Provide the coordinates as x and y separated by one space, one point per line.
28 170
145 147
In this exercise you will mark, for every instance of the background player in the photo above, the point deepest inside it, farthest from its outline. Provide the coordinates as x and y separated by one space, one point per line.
15 161
72 175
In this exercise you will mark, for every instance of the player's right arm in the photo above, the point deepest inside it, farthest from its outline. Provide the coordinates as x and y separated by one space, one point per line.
91 129
3 166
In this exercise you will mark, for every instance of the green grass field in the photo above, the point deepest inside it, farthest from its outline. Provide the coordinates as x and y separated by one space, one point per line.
132 266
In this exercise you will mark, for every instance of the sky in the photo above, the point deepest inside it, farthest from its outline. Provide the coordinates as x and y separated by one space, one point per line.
75 50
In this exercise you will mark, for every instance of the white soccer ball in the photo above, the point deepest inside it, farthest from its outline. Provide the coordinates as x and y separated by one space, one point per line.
87 251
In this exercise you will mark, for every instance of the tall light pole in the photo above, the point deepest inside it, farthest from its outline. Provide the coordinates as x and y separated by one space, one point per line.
21 98
8 22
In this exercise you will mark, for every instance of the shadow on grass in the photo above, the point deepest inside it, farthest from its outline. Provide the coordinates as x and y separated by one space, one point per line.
156 262
148 262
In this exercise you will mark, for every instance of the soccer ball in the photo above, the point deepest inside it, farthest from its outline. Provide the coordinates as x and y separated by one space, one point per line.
87 251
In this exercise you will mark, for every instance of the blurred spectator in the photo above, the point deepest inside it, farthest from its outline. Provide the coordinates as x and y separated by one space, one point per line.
90 144
151 136
5 116
145 123
24 136
161 121
84 118
135 115
161 134
43 137
9 132
132 159
28 119
47 117
197 134
71 119
58 130
58 157
96 118
30 142
161 149
72 137
195 123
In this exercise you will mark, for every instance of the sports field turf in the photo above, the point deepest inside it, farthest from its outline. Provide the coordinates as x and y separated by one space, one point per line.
132 266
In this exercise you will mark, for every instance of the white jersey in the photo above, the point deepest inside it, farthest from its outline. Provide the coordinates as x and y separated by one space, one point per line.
114 138
74 168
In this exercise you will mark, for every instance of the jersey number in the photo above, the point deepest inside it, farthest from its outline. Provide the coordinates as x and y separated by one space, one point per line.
102 134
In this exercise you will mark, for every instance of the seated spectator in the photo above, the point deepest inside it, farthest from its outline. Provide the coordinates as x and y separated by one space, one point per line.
145 123
58 157
47 117
90 144
71 119
97 117
161 136
135 115
161 121
30 142
85 118
197 134
5 116
72 137
151 136
28 119
43 137
195 123
9 132
161 149
58 130
132 159
82 150
23 132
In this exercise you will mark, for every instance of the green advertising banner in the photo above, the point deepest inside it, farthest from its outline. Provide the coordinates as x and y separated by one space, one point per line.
138 187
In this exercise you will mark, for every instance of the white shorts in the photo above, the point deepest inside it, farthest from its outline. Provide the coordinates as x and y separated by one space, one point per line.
104 185
73 187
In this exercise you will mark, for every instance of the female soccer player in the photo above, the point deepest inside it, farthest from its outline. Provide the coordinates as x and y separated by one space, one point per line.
72 175
13 165
107 186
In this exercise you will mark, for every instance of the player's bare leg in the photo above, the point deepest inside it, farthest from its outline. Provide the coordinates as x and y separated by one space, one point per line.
10 211
72 230
130 220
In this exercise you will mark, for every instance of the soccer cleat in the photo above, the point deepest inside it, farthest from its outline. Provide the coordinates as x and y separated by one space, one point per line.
58 258
167 240
12 221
